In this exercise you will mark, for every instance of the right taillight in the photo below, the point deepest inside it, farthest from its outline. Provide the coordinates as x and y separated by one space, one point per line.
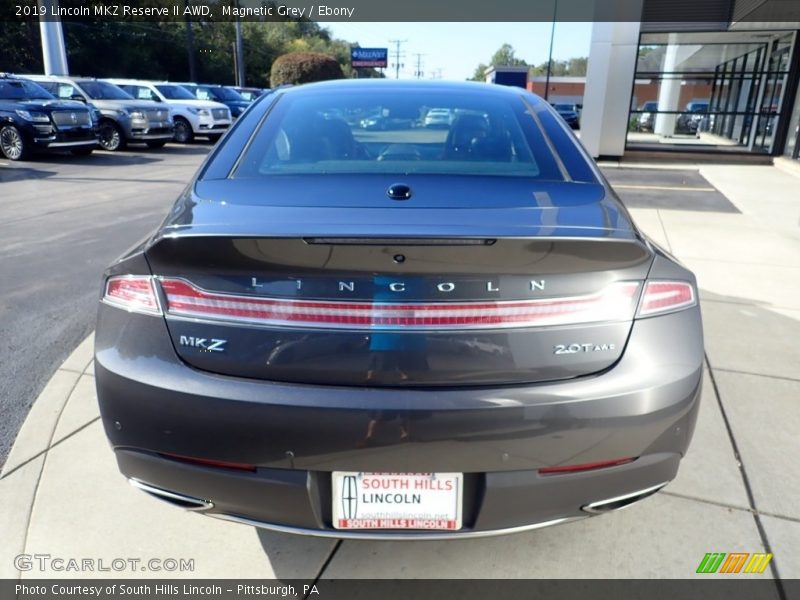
666 296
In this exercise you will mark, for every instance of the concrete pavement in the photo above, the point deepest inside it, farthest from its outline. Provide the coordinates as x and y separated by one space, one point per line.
736 490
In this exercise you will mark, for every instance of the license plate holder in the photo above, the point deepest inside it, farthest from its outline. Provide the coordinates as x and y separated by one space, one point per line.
413 501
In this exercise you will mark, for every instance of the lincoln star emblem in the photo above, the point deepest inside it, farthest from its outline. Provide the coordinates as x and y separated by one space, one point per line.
74 117
349 497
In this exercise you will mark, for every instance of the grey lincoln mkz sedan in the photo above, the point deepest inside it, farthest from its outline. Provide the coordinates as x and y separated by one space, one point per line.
404 333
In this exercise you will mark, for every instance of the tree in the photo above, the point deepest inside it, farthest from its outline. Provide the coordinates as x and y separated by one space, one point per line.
304 67
574 67
506 57
480 70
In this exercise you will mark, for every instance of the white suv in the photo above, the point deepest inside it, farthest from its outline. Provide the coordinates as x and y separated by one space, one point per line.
192 116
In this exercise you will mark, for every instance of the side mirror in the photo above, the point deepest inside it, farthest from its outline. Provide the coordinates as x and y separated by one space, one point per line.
78 97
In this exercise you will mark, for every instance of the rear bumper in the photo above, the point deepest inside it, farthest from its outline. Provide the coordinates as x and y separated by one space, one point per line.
298 501
153 404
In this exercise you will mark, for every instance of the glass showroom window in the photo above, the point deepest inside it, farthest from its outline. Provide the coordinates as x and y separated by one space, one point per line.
709 91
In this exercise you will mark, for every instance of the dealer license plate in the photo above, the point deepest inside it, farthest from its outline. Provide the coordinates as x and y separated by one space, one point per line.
397 500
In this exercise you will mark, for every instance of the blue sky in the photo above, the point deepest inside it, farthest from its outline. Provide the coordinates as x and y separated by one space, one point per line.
457 48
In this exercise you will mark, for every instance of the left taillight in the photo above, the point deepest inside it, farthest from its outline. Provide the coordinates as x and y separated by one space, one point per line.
135 293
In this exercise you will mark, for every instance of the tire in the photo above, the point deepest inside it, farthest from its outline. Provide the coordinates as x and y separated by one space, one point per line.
156 144
214 137
183 131
12 145
111 137
82 151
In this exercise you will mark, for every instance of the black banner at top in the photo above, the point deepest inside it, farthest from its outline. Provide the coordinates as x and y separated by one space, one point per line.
713 12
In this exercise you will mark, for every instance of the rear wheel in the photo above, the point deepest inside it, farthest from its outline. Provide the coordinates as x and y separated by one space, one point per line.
12 144
156 144
183 131
111 136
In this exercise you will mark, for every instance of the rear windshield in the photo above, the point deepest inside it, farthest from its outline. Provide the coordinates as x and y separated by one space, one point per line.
386 132
18 89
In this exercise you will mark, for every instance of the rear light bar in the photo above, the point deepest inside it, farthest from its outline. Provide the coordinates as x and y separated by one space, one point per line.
603 464
135 293
666 296
614 303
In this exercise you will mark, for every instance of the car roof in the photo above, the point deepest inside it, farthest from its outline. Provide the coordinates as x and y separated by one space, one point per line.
411 86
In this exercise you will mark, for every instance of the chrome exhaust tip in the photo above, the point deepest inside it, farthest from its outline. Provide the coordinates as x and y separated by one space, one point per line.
173 498
620 502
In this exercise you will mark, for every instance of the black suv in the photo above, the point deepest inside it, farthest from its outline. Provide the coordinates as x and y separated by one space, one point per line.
31 118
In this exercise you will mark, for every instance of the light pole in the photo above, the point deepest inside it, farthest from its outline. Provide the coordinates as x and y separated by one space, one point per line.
54 52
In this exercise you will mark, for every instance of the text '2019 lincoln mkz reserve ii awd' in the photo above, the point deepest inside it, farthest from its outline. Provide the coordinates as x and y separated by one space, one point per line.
399 332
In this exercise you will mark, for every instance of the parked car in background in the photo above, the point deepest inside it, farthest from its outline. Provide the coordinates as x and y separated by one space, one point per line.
32 119
695 114
438 117
124 119
568 112
219 93
249 93
366 334
645 120
192 117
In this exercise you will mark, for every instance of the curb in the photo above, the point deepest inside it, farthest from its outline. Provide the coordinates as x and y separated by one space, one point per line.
19 479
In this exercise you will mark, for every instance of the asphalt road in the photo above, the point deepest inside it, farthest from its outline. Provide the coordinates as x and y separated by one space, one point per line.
62 220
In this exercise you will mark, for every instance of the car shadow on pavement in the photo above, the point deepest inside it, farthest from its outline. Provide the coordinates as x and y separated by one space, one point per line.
23 173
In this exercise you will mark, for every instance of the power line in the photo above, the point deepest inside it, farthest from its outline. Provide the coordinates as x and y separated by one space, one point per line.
397 56
418 73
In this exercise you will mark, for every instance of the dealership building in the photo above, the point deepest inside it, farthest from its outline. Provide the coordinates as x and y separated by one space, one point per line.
724 82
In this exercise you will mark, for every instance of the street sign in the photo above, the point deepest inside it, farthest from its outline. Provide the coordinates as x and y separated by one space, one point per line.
369 57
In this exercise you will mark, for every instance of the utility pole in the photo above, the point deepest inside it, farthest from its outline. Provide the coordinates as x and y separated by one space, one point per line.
239 50
550 53
397 57
190 45
418 73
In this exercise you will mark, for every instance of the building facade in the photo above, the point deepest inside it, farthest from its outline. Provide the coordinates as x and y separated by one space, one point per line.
718 85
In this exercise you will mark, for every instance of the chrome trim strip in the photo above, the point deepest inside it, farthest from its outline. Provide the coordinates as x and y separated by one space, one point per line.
593 508
167 496
394 535
67 144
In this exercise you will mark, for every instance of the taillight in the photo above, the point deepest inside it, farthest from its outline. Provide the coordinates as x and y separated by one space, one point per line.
135 293
666 296
616 302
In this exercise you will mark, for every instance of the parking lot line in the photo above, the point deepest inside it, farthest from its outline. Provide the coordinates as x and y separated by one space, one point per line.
664 188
